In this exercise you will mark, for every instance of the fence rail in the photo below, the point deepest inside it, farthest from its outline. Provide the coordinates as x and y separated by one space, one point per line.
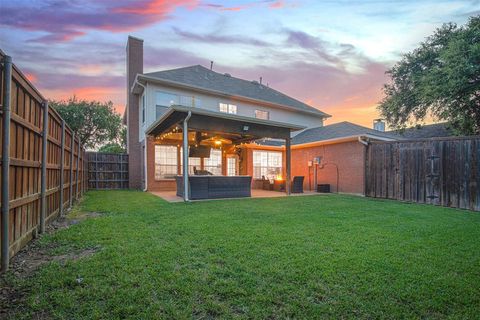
442 172
44 161
107 170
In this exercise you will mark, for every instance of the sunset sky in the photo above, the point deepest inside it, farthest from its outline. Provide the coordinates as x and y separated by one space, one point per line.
329 54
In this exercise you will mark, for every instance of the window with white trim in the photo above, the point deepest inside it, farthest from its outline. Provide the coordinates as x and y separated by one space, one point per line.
164 100
227 108
260 114
166 162
267 164
214 163
193 163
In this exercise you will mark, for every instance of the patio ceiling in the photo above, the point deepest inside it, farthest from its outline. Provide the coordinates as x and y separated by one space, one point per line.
237 128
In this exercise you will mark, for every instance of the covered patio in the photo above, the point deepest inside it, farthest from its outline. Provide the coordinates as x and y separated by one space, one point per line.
202 131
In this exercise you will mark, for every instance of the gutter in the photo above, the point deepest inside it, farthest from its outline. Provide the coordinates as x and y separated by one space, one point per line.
364 142
358 138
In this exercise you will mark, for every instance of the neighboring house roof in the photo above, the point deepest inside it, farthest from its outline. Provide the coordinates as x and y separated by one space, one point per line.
201 77
331 132
424 132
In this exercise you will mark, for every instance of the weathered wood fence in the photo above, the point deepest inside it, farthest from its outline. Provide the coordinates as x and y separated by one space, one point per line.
442 172
43 164
107 170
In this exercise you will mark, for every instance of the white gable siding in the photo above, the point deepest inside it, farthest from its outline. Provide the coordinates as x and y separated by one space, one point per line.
211 102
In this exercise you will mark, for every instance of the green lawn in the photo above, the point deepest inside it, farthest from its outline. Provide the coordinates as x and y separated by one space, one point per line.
298 257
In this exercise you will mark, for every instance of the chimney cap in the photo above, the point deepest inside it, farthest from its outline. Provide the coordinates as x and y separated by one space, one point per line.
134 38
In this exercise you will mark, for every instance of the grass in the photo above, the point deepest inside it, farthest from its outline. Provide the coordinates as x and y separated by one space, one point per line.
298 257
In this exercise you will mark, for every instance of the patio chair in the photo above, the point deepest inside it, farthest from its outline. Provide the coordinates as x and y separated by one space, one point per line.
297 184
266 185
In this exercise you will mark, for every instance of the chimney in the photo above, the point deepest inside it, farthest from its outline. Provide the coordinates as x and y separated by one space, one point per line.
134 148
379 125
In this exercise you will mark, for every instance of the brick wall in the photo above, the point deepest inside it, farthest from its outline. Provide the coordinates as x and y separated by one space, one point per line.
349 157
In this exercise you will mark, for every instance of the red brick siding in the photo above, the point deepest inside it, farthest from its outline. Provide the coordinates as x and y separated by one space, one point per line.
348 156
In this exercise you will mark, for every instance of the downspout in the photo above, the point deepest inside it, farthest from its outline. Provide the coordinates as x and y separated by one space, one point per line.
145 142
366 144
185 157
141 85
145 163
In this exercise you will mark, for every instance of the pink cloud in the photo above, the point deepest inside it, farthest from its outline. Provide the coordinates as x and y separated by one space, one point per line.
31 77
66 21
277 4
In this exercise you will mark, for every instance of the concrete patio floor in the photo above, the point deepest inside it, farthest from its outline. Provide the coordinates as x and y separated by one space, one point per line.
171 196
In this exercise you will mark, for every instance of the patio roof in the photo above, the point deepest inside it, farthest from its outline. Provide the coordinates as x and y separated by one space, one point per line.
206 120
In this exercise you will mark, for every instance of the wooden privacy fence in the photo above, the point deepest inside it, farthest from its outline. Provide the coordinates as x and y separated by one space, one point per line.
43 167
107 170
437 171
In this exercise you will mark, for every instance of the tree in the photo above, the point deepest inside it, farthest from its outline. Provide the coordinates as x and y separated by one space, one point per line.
94 122
112 148
116 147
440 79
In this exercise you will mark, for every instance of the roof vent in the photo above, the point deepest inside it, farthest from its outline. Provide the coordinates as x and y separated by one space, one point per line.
255 82
227 75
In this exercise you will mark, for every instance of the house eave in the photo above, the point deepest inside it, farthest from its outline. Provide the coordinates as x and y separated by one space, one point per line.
351 138
141 77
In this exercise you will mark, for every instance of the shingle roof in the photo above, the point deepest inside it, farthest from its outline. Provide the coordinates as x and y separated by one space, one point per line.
329 132
204 78
424 132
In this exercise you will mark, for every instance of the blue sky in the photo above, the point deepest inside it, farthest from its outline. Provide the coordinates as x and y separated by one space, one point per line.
330 54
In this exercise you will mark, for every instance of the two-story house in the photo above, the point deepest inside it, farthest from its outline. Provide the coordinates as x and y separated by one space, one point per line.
230 115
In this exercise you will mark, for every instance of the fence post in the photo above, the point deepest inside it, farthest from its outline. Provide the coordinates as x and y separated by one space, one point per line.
43 191
78 168
96 170
72 147
7 65
62 164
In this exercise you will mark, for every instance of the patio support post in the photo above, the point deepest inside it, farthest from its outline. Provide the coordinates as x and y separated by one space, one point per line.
185 157
288 160
7 80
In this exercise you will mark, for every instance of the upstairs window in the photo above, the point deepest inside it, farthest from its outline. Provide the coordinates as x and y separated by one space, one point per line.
165 99
228 108
260 114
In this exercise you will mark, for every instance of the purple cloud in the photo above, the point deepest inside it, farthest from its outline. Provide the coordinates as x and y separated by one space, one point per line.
217 38
64 21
